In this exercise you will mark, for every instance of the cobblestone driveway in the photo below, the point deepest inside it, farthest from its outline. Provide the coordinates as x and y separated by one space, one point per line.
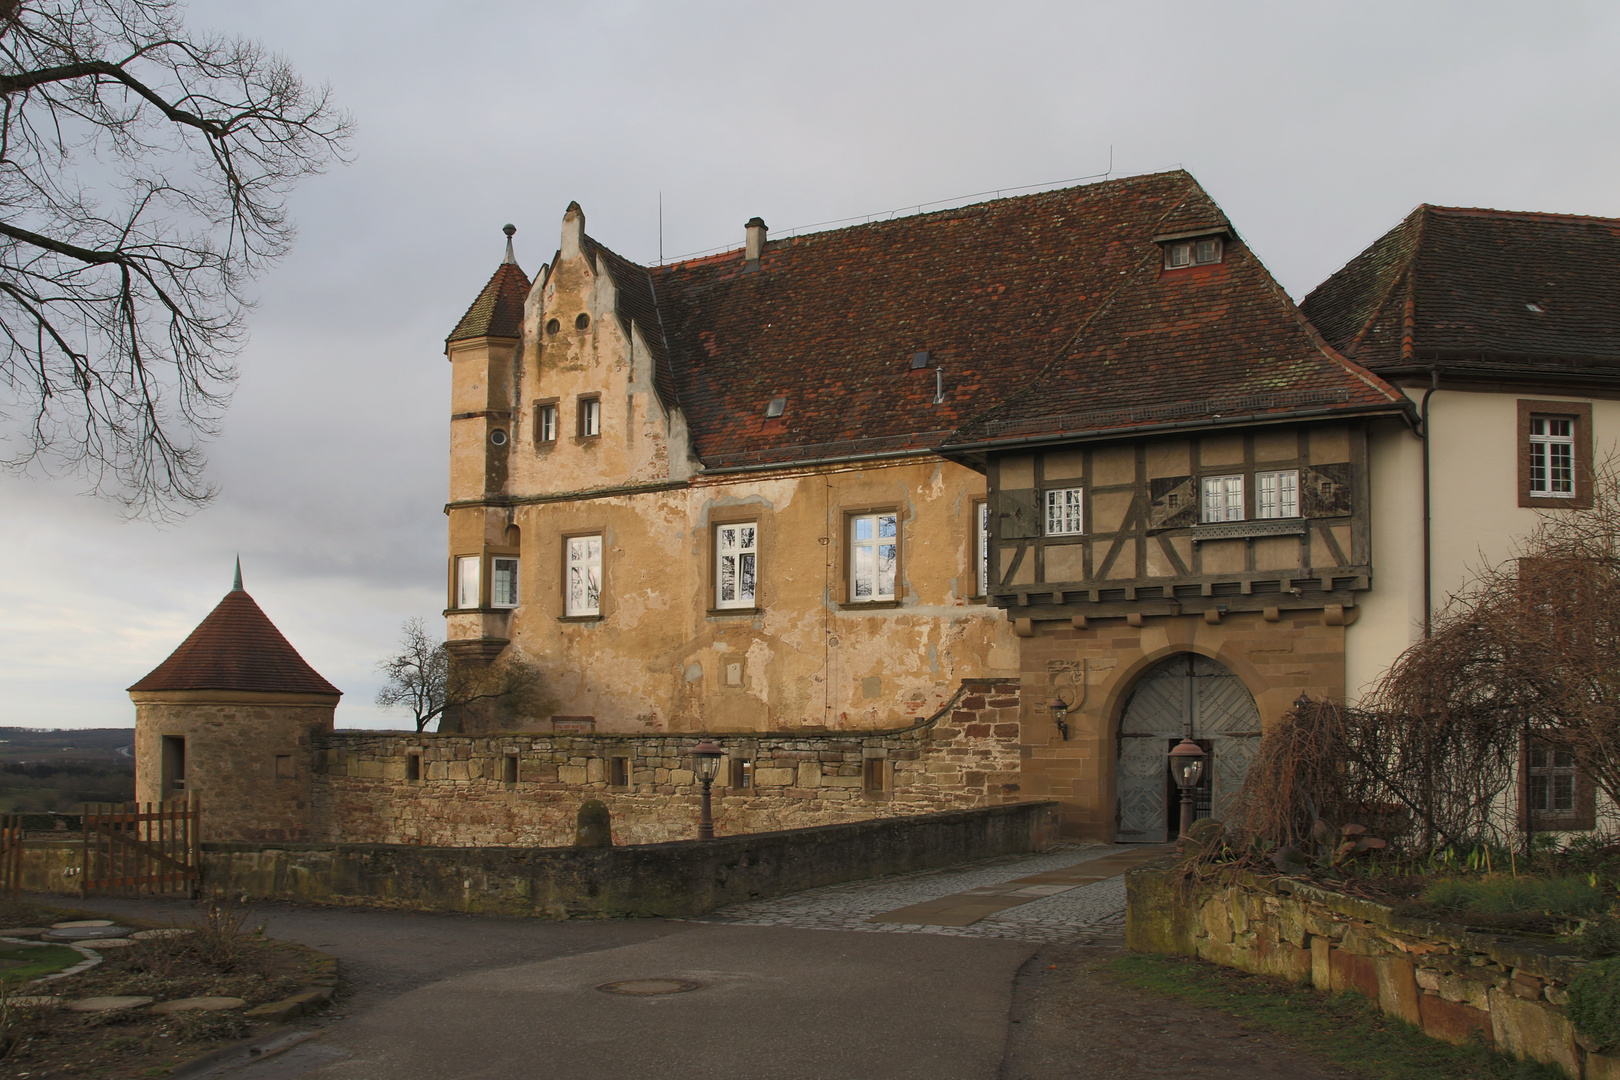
1091 914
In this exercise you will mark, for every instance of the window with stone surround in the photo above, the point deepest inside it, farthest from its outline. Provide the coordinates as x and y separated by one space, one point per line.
509 768
590 417
736 564
874 556
1555 794
1555 454
618 772
742 774
873 774
545 423
583 576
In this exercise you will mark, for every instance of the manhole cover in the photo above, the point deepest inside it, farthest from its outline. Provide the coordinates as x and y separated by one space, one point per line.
649 987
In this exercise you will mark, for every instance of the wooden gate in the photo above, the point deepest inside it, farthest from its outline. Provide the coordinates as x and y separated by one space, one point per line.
11 847
141 849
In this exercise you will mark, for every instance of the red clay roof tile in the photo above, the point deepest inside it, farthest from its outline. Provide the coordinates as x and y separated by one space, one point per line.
236 647
498 310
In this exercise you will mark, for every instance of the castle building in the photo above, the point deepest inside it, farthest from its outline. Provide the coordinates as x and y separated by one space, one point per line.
1079 440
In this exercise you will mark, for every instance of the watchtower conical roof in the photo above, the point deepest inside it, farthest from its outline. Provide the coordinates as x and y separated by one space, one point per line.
236 647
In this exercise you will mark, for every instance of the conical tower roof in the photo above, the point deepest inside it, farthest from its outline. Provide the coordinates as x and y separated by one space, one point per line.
236 647
498 311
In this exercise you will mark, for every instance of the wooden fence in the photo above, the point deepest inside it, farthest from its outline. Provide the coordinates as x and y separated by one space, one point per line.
141 849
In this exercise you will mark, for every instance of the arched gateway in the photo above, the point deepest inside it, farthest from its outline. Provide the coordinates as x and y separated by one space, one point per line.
1183 695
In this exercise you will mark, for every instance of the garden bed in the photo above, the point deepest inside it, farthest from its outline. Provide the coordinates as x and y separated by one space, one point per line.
214 955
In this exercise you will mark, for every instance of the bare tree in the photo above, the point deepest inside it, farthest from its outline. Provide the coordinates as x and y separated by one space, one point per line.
423 678
144 172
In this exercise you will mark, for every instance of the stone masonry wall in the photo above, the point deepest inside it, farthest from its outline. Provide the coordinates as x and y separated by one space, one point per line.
1454 983
967 755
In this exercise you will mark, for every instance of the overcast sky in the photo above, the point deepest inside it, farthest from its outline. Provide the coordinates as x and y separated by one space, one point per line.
1316 126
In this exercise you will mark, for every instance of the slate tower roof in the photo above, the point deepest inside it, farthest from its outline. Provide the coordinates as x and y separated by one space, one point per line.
1487 292
236 647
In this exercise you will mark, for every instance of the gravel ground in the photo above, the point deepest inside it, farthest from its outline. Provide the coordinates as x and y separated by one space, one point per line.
1089 914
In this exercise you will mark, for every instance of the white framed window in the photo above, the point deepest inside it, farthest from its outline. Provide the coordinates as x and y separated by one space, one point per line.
584 576
874 553
590 417
1193 252
981 547
1065 512
1552 457
736 564
545 423
1276 494
1222 499
467 581
503 581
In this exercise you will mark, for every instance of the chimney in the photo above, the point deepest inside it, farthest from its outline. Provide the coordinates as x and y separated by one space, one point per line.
756 243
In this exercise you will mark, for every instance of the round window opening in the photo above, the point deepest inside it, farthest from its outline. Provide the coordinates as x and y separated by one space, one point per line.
582 322
552 326
498 437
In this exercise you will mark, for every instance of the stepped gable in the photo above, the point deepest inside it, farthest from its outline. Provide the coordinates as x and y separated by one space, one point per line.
1487 291
498 311
1203 346
236 647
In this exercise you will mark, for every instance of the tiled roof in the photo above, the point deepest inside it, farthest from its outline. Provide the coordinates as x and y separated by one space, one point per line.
236 648
1486 290
498 311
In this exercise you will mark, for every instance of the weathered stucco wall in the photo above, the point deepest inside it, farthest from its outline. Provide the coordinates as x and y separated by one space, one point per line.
1452 982
247 757
967 757
670 880
1097 666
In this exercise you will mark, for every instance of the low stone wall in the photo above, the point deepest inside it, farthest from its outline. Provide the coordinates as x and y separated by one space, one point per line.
683 878
1454 983
967 755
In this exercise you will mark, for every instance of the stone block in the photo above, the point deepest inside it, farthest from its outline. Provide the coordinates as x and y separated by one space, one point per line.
1453 1022
1320 976
1534 1030
1602 1067
1348 971
809 774
774 777
1291 925
1428 979
1397 988
682 777
571 774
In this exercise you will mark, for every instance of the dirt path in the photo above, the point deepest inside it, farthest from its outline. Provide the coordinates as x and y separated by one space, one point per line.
1069 1023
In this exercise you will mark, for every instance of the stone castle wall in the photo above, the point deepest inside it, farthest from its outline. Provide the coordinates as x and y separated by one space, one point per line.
967 755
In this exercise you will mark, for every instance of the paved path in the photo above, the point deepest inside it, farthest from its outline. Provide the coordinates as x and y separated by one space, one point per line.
806 986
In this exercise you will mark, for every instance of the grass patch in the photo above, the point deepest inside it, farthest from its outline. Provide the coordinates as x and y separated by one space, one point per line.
1499 894
1343 1028
19 963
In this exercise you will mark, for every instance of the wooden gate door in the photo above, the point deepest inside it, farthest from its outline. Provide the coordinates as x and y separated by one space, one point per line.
11 842
141 849
1182 696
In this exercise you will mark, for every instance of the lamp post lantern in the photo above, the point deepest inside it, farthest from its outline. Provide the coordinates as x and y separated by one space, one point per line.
1059 710
1186 769
706 761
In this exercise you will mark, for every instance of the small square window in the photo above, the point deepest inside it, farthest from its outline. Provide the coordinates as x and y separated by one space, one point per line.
619 772
1223 499
509 768
413 766
872 774
545 423
467 581
284 767
742 774
1276 494
503 582
1065 512
590 417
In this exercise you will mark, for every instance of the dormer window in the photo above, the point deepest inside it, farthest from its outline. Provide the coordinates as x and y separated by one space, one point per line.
1198 252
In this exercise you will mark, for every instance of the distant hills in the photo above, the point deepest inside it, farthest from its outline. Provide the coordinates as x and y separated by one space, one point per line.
43 770
103 745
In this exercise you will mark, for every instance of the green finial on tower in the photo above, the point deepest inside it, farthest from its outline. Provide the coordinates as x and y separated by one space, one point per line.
236 586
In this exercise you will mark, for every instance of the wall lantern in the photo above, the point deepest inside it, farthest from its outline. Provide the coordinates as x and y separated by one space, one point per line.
706 757
1187 768
1060 710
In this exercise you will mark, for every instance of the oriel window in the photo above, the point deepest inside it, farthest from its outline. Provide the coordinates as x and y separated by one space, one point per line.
503 581
467 581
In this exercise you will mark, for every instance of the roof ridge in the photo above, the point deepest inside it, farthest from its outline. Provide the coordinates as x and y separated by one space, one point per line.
1530 215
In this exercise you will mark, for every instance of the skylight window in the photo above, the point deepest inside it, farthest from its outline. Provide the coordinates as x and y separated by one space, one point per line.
919 360
776 408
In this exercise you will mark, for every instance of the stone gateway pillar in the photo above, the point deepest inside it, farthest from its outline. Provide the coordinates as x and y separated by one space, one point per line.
228 718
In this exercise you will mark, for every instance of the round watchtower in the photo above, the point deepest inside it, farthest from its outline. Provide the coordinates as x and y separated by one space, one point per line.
228 718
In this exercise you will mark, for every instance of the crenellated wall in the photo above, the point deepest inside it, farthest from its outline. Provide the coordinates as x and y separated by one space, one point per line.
462 794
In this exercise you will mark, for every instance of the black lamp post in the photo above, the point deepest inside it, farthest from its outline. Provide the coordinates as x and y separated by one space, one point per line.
706 760
1187 768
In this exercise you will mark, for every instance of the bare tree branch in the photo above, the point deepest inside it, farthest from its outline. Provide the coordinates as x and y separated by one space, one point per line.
144 174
